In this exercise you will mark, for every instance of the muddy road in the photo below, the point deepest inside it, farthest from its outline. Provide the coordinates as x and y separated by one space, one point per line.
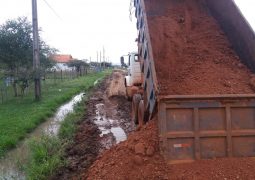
106 123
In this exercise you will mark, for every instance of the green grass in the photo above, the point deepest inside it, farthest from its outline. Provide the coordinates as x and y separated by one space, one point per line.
19 116
46 156
68 126
45 159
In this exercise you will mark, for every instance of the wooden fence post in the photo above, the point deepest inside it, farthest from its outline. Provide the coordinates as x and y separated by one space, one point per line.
54 77
2 95
61 74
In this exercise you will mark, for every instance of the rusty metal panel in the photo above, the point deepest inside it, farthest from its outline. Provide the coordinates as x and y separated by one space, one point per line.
213 147
212 119
179 120
204 127
243 118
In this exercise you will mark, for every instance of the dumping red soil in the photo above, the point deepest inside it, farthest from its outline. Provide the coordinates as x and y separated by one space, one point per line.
139 158
192 54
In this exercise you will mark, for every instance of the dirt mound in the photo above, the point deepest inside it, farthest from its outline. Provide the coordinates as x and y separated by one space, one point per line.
117 87
192 54
218 169
139 158
136 158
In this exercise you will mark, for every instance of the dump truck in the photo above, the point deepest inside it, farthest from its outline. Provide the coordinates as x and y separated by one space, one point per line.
197 59
133 78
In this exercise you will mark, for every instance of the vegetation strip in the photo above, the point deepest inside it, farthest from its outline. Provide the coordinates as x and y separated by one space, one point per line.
20 116
47 153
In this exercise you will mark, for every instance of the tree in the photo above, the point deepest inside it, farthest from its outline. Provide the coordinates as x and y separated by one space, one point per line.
78 65
46 60
16 51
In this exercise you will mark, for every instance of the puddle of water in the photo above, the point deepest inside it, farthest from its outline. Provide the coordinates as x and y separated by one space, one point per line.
9 169
119 134
108 127
52 126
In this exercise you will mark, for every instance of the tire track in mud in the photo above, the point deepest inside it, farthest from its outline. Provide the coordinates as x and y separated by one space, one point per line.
106 123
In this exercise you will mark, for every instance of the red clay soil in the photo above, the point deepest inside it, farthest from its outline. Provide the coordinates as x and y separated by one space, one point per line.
136 158
191 53
139 158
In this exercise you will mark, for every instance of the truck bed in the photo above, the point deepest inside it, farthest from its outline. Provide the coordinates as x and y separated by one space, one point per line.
191 53
194 81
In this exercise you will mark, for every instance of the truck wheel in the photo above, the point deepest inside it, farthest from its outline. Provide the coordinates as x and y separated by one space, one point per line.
135 103
141 121
127 95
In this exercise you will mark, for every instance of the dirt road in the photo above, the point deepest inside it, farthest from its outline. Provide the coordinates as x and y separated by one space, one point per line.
106 123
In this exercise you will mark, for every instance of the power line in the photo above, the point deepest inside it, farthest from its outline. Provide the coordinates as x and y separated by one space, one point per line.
52 9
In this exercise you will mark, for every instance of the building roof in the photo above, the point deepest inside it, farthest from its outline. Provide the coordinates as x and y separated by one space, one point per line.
62 58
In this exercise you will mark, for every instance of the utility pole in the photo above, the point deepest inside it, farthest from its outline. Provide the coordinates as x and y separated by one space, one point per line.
100 60
104 56
97 58
36 60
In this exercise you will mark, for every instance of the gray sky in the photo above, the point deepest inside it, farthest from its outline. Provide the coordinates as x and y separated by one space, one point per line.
247 8
83 27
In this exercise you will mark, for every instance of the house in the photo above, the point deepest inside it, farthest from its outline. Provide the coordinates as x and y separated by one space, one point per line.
61 62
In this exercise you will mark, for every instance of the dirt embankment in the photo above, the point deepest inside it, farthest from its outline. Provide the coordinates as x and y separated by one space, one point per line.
136 158
192 54
107 117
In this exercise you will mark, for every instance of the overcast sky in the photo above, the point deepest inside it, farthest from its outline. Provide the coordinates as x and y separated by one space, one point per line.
83 27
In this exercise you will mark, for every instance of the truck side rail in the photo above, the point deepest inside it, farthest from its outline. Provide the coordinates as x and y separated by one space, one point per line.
150 84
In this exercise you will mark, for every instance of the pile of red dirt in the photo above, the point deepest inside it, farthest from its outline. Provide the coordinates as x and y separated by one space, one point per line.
192 54
139 158
117 86
136 158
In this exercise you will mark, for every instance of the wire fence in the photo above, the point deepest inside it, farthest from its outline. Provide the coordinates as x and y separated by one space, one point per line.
50 78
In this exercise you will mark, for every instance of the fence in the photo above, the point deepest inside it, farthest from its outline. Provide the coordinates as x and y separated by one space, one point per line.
49 78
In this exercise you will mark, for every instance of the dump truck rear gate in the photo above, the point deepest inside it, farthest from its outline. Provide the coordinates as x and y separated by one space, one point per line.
204 127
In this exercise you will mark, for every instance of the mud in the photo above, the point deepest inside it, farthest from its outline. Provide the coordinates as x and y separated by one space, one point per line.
106 123
192 54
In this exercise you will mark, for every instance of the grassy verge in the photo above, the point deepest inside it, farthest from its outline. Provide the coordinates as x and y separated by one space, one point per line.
20 116
45 159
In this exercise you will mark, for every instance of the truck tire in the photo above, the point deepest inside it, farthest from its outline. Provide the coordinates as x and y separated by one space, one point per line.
128 97
135 103
141 121
126 87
